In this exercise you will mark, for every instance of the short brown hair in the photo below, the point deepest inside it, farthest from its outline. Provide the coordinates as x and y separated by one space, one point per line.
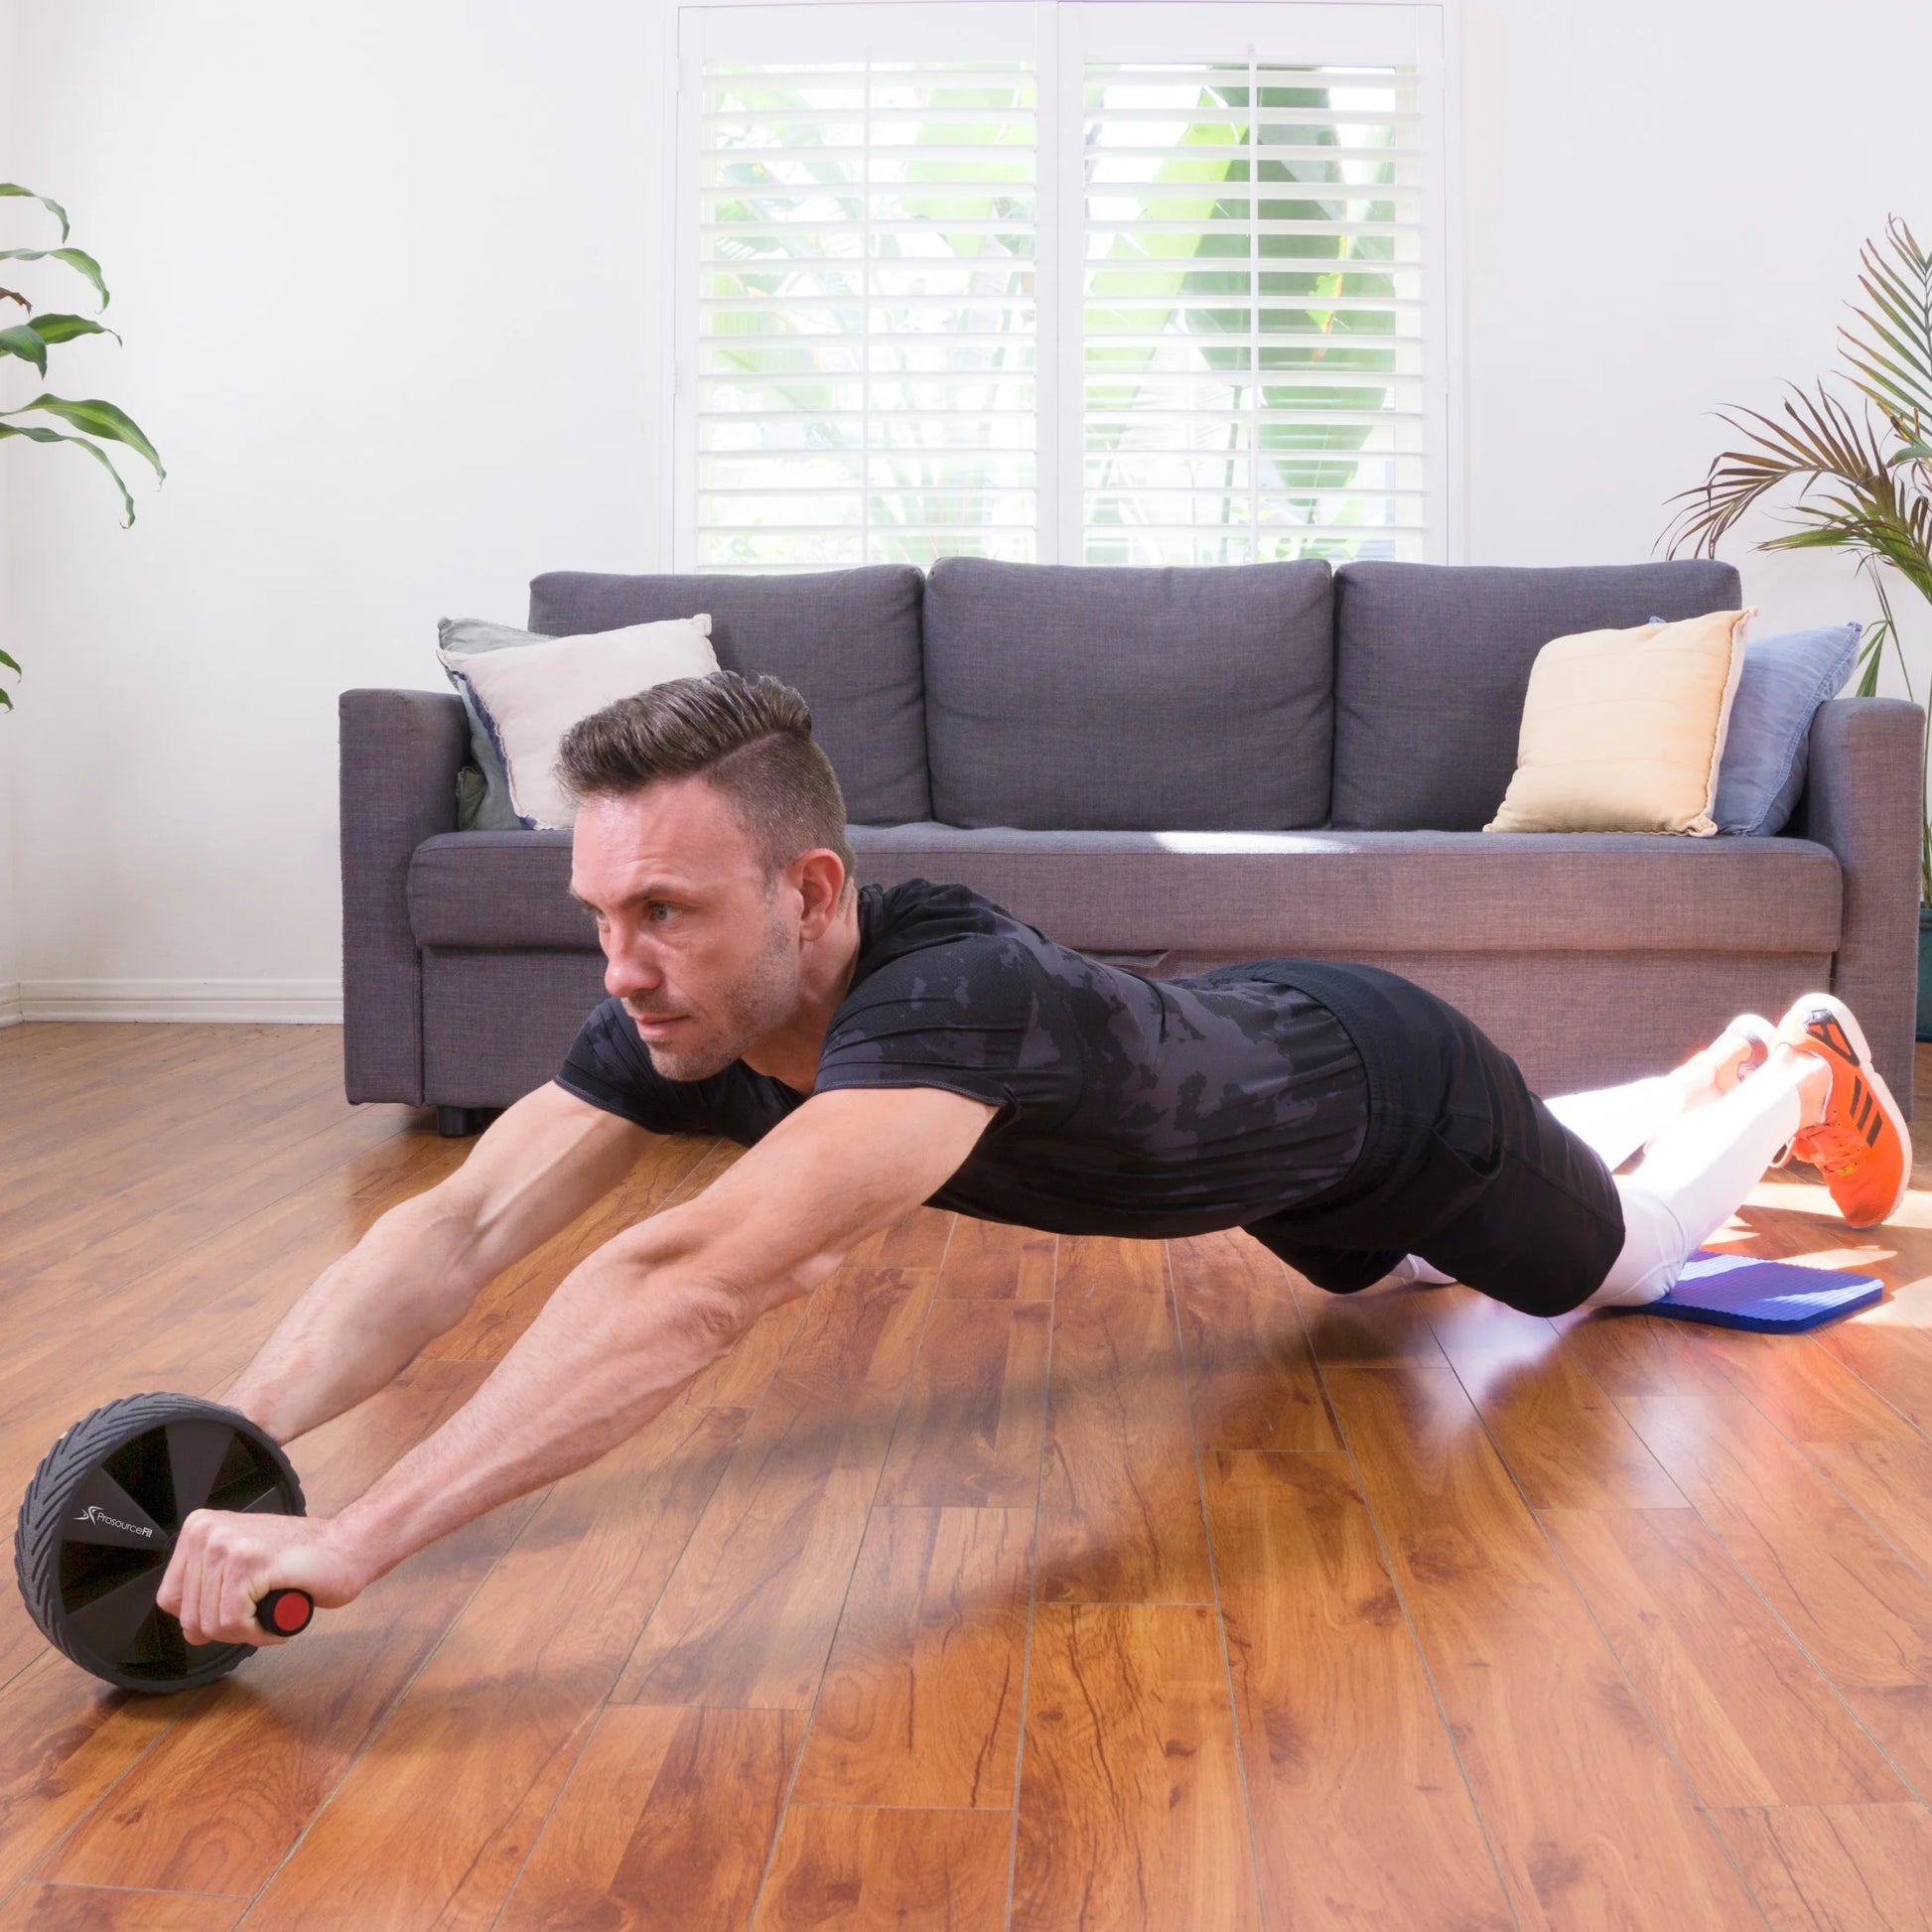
751 737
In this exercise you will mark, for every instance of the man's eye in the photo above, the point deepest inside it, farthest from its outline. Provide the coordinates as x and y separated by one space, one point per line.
659 913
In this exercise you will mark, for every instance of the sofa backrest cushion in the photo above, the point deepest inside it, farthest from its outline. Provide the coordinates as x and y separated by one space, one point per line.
847 640
1062 697
1432 662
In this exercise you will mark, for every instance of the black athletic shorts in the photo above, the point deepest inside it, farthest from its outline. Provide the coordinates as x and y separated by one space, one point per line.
1461 1164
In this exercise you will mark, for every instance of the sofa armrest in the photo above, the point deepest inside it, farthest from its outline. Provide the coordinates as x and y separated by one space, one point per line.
1864 797
400 752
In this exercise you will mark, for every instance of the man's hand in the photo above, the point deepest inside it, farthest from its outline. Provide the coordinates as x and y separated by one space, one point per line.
225 1561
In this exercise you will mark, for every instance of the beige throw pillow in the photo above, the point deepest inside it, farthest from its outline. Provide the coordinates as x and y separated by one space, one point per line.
529 696
1623 729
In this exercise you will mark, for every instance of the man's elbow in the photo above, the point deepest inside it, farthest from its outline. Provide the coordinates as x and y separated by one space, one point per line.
687 1310
434 1237
697 1322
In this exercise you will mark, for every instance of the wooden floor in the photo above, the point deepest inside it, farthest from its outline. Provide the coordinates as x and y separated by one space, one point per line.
1005 1582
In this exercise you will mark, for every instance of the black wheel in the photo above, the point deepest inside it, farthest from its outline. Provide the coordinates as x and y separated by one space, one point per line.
99 1520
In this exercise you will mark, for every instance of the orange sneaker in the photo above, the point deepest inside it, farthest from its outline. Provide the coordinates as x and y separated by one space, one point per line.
1862 1145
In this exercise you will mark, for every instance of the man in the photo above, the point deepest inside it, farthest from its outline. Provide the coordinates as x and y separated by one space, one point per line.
882 1047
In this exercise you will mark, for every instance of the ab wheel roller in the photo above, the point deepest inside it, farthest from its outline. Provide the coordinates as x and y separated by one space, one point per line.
98 1524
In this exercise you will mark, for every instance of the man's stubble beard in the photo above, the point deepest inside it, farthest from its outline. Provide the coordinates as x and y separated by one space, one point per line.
756 1005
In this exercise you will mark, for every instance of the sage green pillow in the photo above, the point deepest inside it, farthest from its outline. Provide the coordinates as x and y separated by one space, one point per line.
482 791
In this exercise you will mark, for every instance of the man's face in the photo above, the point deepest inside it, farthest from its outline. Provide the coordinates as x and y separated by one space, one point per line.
701 948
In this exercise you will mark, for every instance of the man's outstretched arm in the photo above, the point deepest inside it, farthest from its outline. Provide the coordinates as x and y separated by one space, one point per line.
622 1333
414 1274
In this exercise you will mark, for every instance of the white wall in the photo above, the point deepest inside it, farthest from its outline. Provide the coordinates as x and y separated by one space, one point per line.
1663 201
387 276
381 269
10 911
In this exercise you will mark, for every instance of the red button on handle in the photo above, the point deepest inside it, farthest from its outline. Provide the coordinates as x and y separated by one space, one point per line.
285 1611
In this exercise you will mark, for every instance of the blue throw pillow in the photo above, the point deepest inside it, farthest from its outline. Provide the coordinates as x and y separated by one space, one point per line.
1784 681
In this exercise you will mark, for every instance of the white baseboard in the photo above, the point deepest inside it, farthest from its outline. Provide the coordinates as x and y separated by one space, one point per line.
10 1013
257 1002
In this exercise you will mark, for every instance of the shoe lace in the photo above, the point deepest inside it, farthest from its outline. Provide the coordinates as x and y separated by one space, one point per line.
1833 1149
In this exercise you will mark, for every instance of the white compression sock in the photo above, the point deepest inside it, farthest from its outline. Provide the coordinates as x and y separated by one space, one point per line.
1613 1122
1412 1270
1696 1172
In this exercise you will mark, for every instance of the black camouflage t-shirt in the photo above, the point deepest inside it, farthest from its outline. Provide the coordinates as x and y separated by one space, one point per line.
1127 1106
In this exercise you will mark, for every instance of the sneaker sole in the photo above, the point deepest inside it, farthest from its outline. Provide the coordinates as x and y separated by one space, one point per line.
1876 1082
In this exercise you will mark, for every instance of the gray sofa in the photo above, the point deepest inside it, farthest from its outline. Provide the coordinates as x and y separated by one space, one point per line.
1173 769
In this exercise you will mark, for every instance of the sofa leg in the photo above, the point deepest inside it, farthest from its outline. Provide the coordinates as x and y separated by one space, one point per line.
454 1123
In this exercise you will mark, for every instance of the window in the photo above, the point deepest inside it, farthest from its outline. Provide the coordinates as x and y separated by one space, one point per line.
865 319
1104 283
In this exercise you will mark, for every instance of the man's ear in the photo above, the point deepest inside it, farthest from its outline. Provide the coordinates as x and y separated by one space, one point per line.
820 875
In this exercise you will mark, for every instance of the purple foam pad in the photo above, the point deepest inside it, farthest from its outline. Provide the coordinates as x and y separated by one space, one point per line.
1743 1291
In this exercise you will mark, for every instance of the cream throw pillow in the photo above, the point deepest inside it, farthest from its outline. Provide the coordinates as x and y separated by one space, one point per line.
1623 729
530 695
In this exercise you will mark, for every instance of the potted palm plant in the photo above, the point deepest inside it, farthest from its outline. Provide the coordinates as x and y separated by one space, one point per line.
30 340
1860 466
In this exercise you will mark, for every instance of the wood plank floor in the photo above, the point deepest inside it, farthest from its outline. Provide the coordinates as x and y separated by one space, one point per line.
1007 1583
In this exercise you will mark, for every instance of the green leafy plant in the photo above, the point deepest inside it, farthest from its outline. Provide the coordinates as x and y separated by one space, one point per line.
30 340
1862 464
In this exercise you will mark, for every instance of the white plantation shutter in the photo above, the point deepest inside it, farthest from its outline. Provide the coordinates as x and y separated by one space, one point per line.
1148 283
1251 313
866 324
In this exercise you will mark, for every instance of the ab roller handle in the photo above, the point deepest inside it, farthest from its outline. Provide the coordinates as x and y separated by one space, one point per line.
285 1611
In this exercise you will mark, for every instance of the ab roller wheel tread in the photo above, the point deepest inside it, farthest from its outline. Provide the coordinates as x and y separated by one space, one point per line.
98 1524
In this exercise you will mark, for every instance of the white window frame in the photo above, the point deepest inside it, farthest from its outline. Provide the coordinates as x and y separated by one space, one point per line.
1061 190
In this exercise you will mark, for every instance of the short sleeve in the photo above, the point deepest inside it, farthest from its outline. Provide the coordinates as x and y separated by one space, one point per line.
607 1066
970 1016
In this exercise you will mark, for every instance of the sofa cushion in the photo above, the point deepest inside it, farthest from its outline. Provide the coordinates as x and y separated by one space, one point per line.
1623 731
529 699
1432 662
1248 894
1061 696
848 640
1767 749
483 787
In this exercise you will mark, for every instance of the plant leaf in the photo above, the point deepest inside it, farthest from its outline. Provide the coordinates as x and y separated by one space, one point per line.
63 328
1830 537
27 344
1850 493
98 419
1892 357
76 258
14 295
35 434
10 188
12 663
1869 678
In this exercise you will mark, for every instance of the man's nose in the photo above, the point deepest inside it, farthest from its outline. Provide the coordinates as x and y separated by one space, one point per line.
629 970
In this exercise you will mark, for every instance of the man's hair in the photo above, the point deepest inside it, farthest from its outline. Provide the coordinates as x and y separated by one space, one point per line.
751 737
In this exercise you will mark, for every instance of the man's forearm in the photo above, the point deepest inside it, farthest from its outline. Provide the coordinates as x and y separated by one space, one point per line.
611 1348
359 1324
